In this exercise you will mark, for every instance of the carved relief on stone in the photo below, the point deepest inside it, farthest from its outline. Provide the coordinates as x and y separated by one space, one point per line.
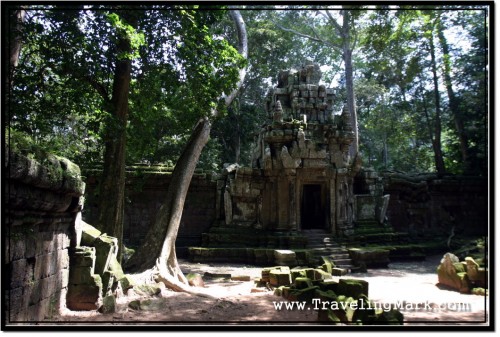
287 160
278 112
267 160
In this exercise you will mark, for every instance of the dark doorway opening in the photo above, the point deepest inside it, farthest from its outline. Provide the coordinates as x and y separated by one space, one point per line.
313 210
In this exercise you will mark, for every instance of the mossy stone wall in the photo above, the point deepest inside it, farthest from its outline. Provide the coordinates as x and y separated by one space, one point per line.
43 197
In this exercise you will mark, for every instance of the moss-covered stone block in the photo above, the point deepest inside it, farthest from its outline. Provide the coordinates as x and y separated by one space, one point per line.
83 257
195 280
391 317
479 291
365 314
339 271
326 285
476 275
280 277
108 282
352 288
115 268
448 275
320 274
302 295
302 282
328 296
148 289
370 257
106 248
108 305
126 282
89 234
81 275
301 272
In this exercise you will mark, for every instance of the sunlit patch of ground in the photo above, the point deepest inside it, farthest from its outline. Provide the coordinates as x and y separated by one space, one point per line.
406 284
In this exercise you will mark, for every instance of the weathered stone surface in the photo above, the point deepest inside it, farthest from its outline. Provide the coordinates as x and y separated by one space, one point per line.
302 282
371 258
195 280
106 247
89 234
85 296
280 277
40 220
451 274
477 276
126 282
108 305
148 289
352 288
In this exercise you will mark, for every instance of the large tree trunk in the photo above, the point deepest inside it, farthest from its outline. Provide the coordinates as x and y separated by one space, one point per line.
112 185
15 22
158 248
453 102
436 143
156 258
347 47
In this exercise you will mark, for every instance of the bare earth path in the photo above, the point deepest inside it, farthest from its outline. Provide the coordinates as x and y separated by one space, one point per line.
407 283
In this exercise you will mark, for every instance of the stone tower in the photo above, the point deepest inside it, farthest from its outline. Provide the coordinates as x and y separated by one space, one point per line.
301 176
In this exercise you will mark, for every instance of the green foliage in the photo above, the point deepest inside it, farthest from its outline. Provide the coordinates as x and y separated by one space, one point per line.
183 58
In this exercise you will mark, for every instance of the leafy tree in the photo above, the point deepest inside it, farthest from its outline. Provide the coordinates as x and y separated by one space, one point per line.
157 256
94 62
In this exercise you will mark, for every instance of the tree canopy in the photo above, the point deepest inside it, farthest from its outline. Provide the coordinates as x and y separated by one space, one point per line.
182 57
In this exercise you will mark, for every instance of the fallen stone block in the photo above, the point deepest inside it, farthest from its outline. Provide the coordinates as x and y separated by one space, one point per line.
352 288
280 277
302 282
451 273
244 278
89 234
195 280
106 248
339 271
108 305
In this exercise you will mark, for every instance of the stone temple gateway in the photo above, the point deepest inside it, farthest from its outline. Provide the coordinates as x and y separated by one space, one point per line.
302 176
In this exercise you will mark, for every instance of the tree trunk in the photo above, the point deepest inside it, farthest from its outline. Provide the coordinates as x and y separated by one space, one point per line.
351 100
159 243
455 111
156 256
436 143
16 21
112 186
15 41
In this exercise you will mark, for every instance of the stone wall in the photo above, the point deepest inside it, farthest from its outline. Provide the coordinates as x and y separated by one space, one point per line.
145 191
427 204
42 198
419 205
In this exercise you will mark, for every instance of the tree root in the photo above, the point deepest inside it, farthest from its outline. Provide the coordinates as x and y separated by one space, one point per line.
173 280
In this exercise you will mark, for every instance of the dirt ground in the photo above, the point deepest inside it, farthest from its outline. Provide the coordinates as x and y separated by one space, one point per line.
237 302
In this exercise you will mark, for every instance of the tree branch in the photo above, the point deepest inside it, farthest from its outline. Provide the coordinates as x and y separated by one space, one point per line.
99 87
312 38
335 23
242 49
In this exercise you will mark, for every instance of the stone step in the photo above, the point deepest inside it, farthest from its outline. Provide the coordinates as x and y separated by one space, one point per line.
341 256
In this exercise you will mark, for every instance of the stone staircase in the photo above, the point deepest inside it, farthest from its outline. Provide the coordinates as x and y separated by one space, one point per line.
321 243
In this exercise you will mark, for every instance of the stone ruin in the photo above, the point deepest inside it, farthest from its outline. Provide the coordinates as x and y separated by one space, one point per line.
302 175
